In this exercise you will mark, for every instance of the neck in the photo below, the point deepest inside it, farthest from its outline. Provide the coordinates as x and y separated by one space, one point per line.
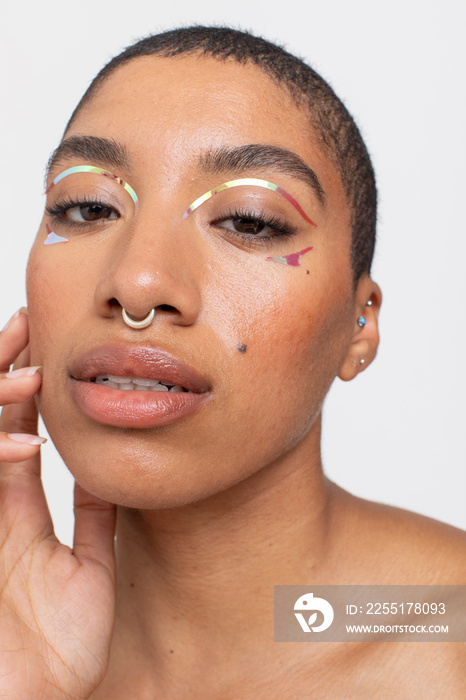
191 577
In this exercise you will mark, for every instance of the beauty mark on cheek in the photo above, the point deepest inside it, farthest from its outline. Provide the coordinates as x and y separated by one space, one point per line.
291 259
97 171
254 182
53 237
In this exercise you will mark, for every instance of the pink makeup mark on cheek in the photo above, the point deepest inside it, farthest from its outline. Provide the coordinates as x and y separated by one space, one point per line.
291 259
53 237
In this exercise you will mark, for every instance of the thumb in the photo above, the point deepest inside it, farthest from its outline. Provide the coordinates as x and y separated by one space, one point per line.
94 530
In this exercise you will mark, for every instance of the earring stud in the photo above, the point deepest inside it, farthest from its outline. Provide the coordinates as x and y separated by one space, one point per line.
369 302
361 322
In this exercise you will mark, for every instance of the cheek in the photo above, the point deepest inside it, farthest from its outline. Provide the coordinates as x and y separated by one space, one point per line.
52 282
292 324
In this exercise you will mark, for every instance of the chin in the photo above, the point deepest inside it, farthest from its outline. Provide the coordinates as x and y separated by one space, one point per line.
128 471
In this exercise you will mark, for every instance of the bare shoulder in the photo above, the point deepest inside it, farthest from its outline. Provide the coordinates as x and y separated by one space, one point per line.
432 671
401 547
375 544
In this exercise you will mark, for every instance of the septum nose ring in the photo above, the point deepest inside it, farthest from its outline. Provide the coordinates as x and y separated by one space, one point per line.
138 325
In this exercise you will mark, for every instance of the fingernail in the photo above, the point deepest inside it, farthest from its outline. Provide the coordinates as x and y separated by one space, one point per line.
22 310
27 439
23 372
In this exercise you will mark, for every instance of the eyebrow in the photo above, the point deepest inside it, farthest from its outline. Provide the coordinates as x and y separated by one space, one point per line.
94 149
240 159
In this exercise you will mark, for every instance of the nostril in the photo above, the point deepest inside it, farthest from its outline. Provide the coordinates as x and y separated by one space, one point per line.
115 304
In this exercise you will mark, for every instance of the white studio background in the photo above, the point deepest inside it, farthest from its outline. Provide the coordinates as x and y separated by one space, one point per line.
397 433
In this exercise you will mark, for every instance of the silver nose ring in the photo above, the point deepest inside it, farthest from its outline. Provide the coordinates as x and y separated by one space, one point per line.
138 325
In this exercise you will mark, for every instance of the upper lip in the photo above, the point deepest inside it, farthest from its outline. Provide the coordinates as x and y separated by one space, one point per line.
137 361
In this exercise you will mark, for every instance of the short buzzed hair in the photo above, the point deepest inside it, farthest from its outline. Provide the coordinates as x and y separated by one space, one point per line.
339 136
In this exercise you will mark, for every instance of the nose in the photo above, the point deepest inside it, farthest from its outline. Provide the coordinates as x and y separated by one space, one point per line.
147 268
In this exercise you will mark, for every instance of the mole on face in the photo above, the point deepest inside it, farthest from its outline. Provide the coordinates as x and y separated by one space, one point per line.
241 347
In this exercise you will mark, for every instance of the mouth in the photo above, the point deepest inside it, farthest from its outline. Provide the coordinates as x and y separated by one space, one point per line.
136 386
136 383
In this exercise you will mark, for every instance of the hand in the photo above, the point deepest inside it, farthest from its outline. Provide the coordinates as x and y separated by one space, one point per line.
56 604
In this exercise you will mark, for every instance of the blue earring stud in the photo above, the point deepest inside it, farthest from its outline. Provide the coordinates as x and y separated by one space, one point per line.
361 322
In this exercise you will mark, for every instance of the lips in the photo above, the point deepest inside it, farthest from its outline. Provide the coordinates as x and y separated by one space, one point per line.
136 409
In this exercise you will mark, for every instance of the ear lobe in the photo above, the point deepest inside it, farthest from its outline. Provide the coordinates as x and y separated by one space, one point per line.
364 343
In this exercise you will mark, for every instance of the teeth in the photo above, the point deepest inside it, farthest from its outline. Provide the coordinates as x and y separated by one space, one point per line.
136 383
159 387
118 380
144 382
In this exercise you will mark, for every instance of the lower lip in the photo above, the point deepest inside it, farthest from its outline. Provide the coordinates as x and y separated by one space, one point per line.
134 409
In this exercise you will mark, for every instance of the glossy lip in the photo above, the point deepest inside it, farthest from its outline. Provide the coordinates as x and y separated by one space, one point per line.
135 409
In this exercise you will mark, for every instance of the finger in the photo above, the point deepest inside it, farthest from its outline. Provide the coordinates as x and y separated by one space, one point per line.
18 447
13 339
19 385
24 512
22 496
20 418
94 529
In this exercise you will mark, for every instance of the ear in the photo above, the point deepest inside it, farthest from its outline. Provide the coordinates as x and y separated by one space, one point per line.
365 340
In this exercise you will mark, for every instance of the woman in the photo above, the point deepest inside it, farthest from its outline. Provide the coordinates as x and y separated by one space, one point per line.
200 277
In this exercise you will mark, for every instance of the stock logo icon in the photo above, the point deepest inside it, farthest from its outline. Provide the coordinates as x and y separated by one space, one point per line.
312 605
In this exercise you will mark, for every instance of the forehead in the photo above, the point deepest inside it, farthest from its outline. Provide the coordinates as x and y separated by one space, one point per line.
200 85
195 102
167 112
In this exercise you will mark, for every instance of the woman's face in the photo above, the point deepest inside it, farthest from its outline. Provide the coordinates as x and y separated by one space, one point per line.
256 341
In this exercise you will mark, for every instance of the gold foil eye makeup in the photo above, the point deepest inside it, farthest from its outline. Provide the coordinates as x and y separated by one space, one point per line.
97 171
254 182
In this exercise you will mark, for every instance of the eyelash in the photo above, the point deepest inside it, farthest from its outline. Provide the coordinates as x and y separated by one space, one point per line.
62 206
281 226
278 224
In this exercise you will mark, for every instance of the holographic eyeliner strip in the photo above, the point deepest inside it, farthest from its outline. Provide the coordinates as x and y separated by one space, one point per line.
248 181
98 171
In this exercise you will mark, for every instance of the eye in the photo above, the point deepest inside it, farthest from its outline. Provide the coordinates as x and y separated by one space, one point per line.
250 226
75 212
90 212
